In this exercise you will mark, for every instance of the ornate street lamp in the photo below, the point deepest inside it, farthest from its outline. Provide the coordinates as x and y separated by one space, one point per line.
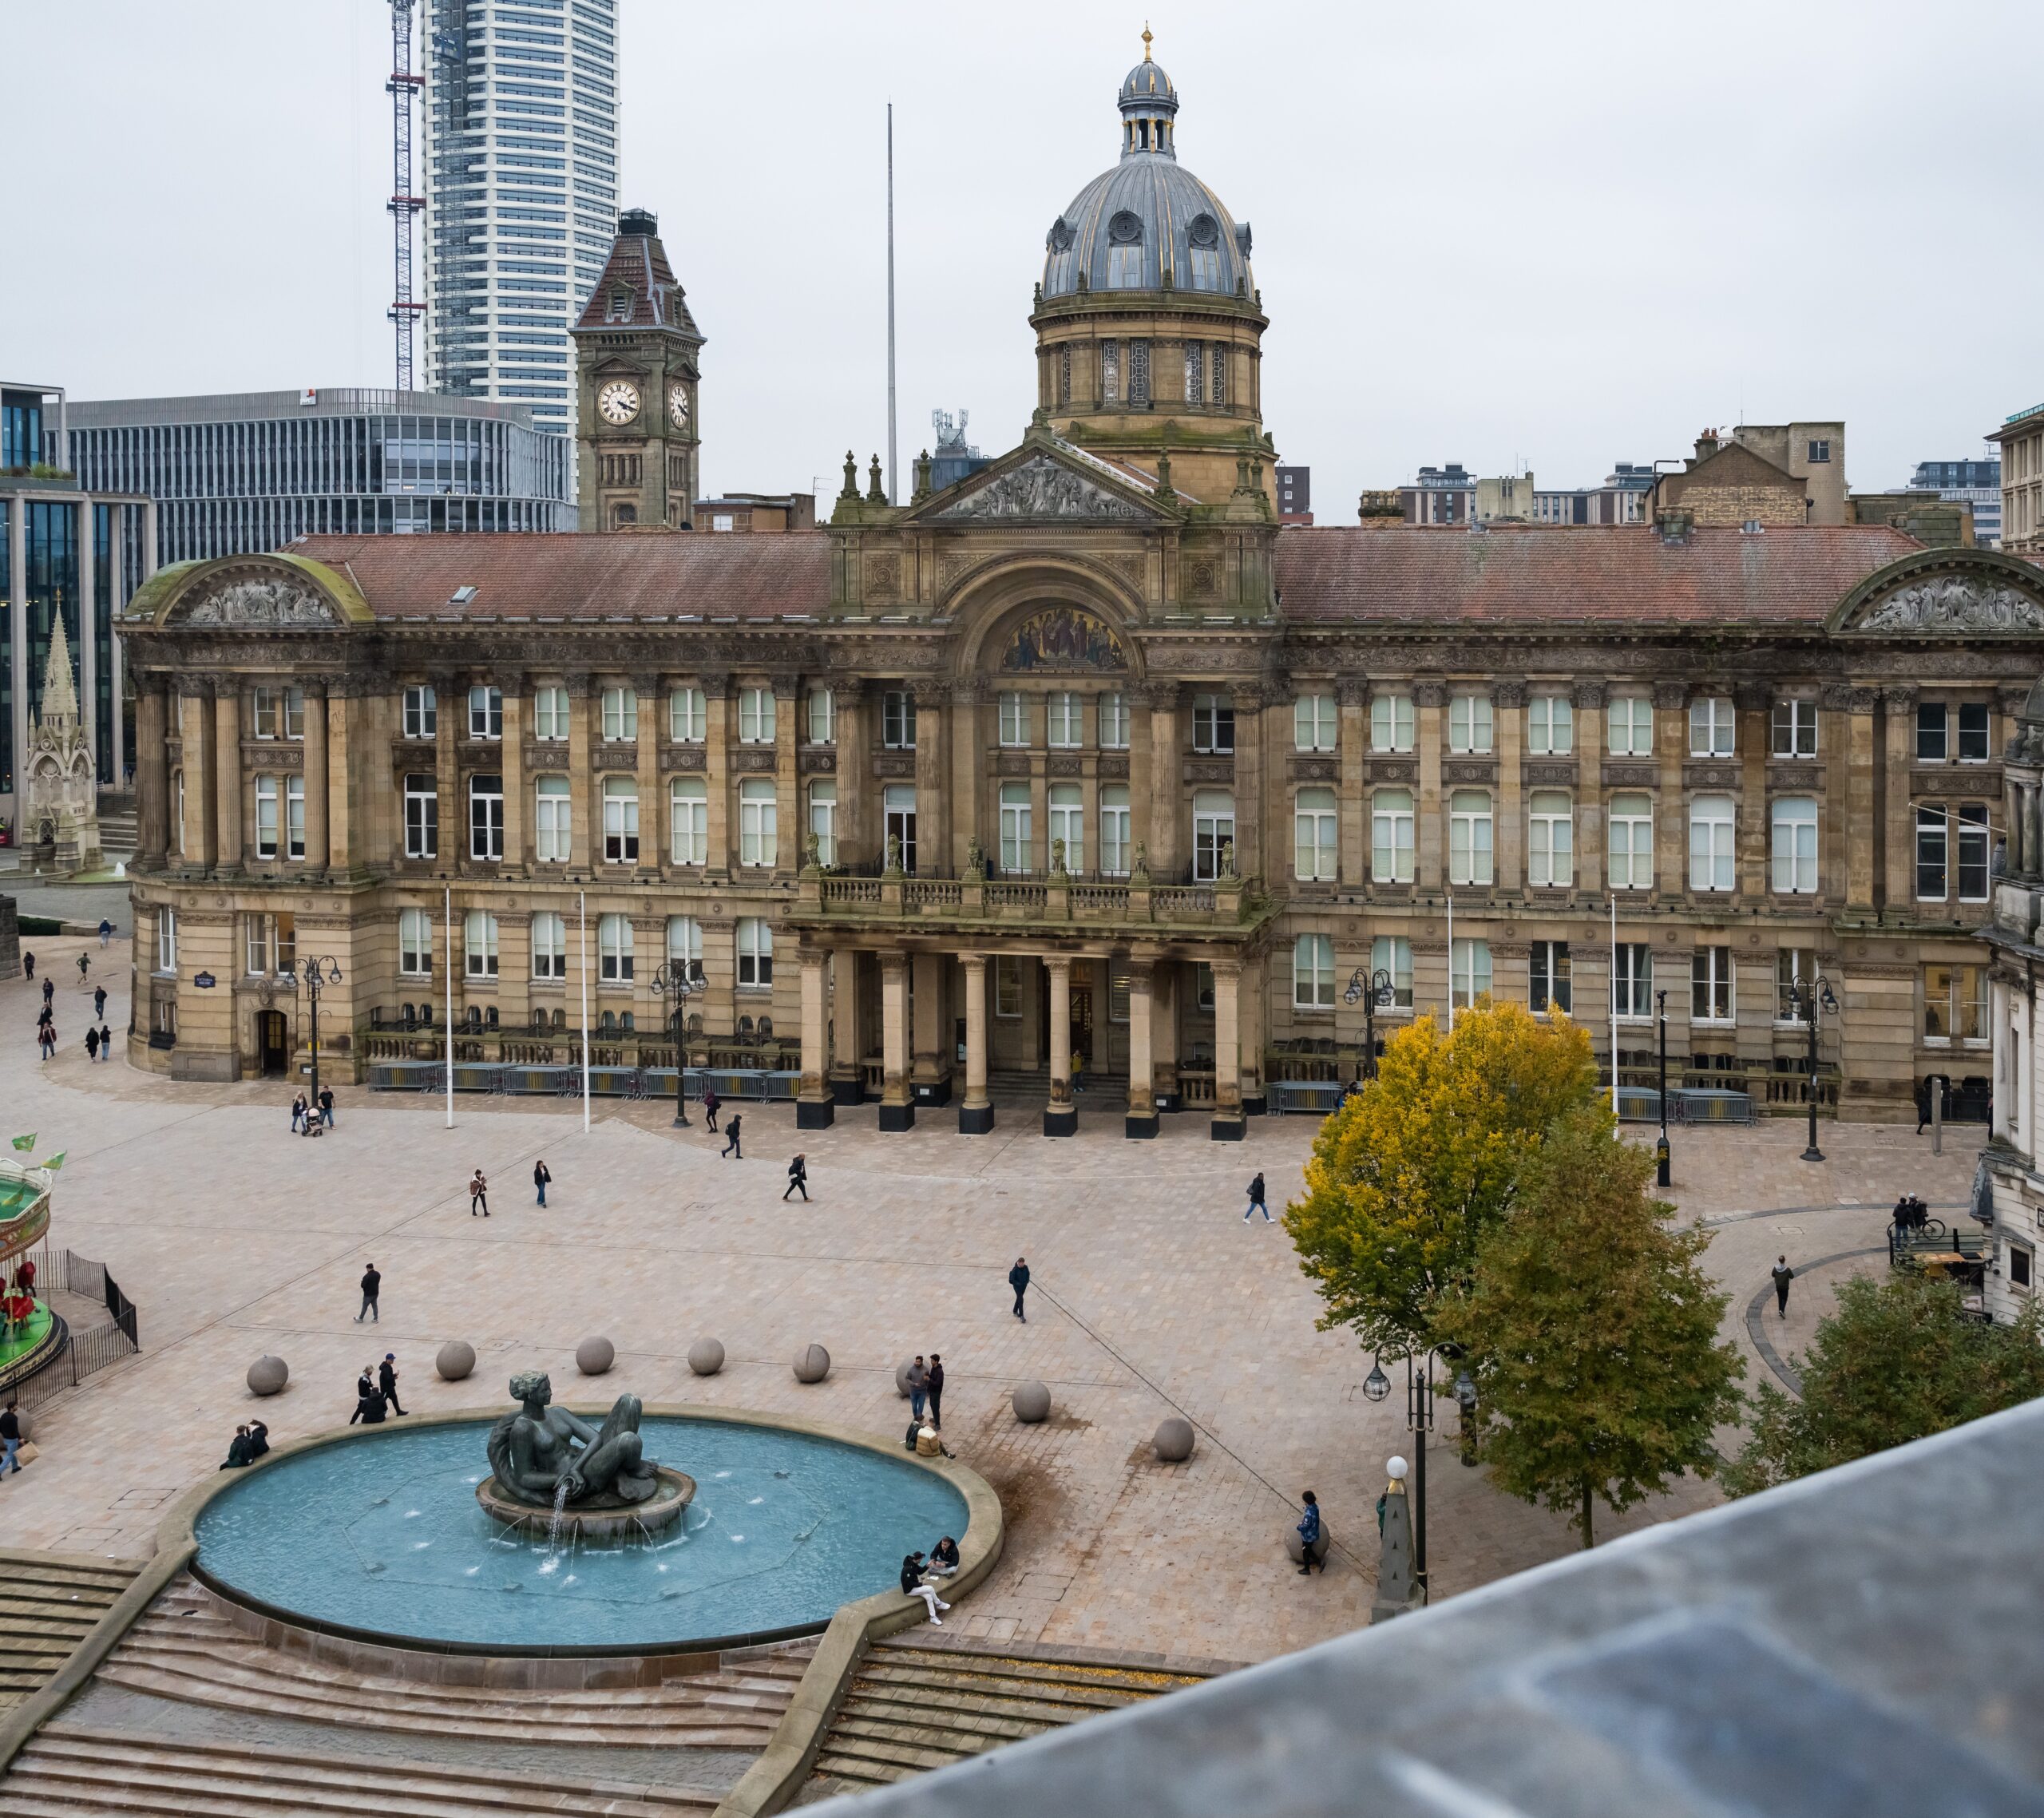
1662 1161
677 981
317 974
1420 1421
1810 998
1381 993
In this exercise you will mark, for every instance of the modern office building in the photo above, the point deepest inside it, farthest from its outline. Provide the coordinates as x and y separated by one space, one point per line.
521 158
1440 495
1294 495
1977 483
1622 499
240 473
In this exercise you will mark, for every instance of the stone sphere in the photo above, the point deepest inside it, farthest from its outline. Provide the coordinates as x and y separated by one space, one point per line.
901 1376
812 1364
706 1357
267 1376
1295 1547
594 1356
457 1358
1032 1403
1173 1442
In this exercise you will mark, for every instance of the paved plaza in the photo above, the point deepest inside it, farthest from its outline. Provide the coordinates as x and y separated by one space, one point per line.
1150 1297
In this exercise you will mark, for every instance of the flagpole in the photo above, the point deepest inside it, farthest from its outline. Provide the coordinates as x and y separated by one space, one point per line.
1450 963
893 489
582 913
1612 998
448 918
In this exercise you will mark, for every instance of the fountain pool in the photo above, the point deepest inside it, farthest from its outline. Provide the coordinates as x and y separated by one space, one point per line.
381 1536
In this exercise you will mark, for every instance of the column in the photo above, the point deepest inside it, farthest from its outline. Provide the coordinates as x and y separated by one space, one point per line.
791 829
517 823
1164 800
1508 718
585 804
1671 807
151 776
1228 1121
975 1110
1061 1115
1164 987
1754 701
1860 829
1429 814
652 830
1353 693
1249 783
350 834
1898 817
931 1049
968 742
451 699
717 774
814 1107
317 850
1141 1120
854 775
847 1022
1590 873
897 1109
933 819
227 776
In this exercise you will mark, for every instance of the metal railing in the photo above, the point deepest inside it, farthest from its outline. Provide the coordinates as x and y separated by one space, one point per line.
85 1353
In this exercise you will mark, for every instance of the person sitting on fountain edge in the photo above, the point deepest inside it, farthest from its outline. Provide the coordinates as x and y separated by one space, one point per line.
533 1451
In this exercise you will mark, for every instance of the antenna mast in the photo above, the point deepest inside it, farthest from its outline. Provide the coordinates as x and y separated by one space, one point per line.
892 496
402 86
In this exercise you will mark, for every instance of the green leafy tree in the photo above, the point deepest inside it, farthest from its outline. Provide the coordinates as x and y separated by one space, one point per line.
1592 1333
1405 1179
1894 1362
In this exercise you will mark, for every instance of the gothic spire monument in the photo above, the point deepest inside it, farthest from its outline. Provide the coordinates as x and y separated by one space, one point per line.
60 823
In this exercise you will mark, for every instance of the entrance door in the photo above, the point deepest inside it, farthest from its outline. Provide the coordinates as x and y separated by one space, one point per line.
272 1036
900 806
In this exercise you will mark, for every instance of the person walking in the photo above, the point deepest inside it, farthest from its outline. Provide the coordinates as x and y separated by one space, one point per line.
105 933
541 1174
46 1035
387 1380
92 1043
368 1400
10 1438
326 1105
372 1285
937 1390
298 1114
48 990
84 966
1018 1279
1256 1202
712 1105
1923 1104
730 1145
918 1382
478 1194
28 966
797 1177
1309 1533
1783 1275
99 1002
105 1043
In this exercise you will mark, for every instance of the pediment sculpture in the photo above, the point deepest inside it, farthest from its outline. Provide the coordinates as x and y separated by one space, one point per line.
252 602
1040 488
1955 603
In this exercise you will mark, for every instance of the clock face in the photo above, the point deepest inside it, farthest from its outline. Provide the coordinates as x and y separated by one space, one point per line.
618 400
678 405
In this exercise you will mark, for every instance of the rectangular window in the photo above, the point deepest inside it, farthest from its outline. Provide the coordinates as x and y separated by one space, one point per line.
1469 836
1629 726
2020 1260
422 714
685 944
1312 723
550 714
1469 723
897 824
1550 851
1017 846
1795 974
614 955
1393 953
479 943
1068 814
1931 732
1973 852
422 817
1796 846
1212 722
1710 985
1549 983
1067 721
486 817
1314 858
1469 972
273 944
1711 727
1932 855
553 820
1713 826
621 820
1391 723
1114 847
485 711
620 715
269 704
1195 352
1973 732
688 716
295 817
1631 831
294 713
415 942
166 941
1390 836
1213 833
1795 729
266 817
1114 723
897 720
1139 372
822 717
1550 726
1955 1004
755 953
1008 982
1312 973
755 716
1110 371
549 946
1632 981
758 841
688 805
1014 717
1217 366
823 820
1820 453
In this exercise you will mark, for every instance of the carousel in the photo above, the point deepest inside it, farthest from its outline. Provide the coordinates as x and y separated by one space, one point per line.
31 1334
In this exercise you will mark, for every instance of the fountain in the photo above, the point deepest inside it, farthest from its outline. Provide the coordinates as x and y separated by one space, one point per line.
539 1481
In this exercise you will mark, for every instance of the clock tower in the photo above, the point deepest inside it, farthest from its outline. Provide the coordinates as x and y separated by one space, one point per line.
636 372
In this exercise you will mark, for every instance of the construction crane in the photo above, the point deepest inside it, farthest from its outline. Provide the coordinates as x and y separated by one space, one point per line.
402 88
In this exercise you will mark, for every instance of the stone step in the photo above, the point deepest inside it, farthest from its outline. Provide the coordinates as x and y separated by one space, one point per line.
880 1752
851 1774
944 1732
1072 1672
1024 1717
1103 1691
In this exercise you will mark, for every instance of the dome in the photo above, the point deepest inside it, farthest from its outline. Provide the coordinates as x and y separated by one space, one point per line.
1149 215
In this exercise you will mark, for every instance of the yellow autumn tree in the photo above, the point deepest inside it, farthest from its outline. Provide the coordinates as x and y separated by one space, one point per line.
1408 1176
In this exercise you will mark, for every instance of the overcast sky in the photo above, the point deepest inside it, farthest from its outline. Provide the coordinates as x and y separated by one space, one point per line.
1555 235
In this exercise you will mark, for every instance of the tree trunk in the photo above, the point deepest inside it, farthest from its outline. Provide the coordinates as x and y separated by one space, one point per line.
1588 1537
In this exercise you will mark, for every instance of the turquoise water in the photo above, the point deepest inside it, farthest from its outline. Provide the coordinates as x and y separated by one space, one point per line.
384 1534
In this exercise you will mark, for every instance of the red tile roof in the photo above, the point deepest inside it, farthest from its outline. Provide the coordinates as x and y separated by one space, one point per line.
1627 575
643 575
638 270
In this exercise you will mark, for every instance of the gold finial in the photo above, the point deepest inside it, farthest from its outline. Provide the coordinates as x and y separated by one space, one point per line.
1146 40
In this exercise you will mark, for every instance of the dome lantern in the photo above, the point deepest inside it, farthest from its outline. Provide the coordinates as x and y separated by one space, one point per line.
1148 102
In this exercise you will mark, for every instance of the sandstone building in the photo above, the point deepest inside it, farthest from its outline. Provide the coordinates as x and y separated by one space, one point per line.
1082 756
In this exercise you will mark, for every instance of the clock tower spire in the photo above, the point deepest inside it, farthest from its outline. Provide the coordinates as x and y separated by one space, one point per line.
636 369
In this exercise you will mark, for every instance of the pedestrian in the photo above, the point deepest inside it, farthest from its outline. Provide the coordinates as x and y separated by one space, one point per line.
105 933
368 1400
912 1583
712 1105
372 1285
105 1043
1256 1202
1923 1104
1309 1532
238 1455
937 1390
84 966
28 965
298 1114
918 1381
541 1174
48 990
797 1177
1783 1276
478 1194
92 1043
387 1380
10 1437
1078 1071
99 1002
1018 1279
326 1105
46 1035
730 1145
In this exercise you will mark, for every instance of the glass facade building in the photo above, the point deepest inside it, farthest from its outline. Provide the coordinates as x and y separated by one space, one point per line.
239 475
1978 481
519 135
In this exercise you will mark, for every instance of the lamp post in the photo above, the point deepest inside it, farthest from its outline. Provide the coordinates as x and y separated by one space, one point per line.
1810 998
1662 1160
1420 1421
318 973
1381 993
678 980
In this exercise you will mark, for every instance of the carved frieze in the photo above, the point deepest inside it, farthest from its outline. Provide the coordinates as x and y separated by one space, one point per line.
1630 776
818 760
1316 770
1541 775
275 604
883 577
613 756
753 763
1589 696
1210 769
1393 769
895 763
1061 763
1012 763
1202 578
1041 489
1802 776
550 756
1955 605
1468 770
1978 782
272 754
1711 776
1113 764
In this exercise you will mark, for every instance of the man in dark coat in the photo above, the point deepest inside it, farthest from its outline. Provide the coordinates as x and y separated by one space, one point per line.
1018 1279
937 1390
387 1380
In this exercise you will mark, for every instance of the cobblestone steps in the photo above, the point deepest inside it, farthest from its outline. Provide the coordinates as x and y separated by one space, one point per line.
47 1604
912 1706
73 1769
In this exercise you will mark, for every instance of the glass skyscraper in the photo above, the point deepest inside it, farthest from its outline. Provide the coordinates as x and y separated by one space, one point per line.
520 138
